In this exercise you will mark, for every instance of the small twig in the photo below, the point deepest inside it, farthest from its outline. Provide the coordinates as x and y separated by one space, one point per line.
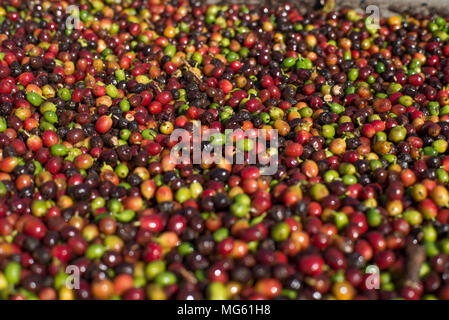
416 255
149 23
189 276
195 71
26 133
154 83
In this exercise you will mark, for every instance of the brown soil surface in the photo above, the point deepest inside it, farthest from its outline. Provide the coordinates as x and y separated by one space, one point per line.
387 7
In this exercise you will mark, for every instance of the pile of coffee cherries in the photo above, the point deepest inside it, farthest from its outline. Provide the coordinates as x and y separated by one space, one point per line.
93 204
